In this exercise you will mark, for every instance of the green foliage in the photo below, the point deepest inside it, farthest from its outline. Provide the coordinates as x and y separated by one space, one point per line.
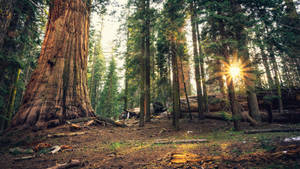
226 115
109 104
98 6
115 145
266 143
96 69
20 50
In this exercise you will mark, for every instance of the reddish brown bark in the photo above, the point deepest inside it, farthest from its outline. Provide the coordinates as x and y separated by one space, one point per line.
57 90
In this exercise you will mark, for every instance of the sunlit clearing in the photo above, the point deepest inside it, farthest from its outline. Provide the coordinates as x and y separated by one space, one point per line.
234 70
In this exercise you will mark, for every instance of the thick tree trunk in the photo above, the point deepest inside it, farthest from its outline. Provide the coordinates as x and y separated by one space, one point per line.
26 79
126 64
147 66
233 104
142 70
253 106
196 60
175 89
57 90
251 95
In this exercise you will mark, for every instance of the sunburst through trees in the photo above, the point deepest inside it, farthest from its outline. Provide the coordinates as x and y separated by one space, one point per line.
238 71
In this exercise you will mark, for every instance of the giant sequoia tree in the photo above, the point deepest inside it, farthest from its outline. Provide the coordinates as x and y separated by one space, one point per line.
57 90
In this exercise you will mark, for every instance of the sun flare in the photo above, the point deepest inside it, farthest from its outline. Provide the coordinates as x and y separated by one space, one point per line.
234 71
238 71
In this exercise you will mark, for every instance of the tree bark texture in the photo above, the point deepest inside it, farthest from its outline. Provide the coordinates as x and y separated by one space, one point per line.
196 60
175 89
147 60
233 104
57 90
142 69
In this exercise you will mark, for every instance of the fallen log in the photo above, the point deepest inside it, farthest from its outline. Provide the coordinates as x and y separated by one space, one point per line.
288 117
191 141
228 117
97 119
72 163
65 134
114 123
215 103
271 130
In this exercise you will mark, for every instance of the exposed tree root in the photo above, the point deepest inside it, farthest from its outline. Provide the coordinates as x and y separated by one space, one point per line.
98 120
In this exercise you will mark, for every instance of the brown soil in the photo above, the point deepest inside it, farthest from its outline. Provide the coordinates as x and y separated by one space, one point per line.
133 147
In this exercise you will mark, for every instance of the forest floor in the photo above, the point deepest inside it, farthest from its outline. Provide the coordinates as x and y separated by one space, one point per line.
134 147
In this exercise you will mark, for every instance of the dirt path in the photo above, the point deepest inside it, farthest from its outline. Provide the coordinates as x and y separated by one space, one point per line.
132 147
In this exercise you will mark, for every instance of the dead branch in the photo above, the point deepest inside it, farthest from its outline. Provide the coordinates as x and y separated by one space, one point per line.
24 158
74 127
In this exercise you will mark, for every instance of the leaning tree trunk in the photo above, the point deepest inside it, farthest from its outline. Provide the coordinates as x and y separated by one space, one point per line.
57 90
